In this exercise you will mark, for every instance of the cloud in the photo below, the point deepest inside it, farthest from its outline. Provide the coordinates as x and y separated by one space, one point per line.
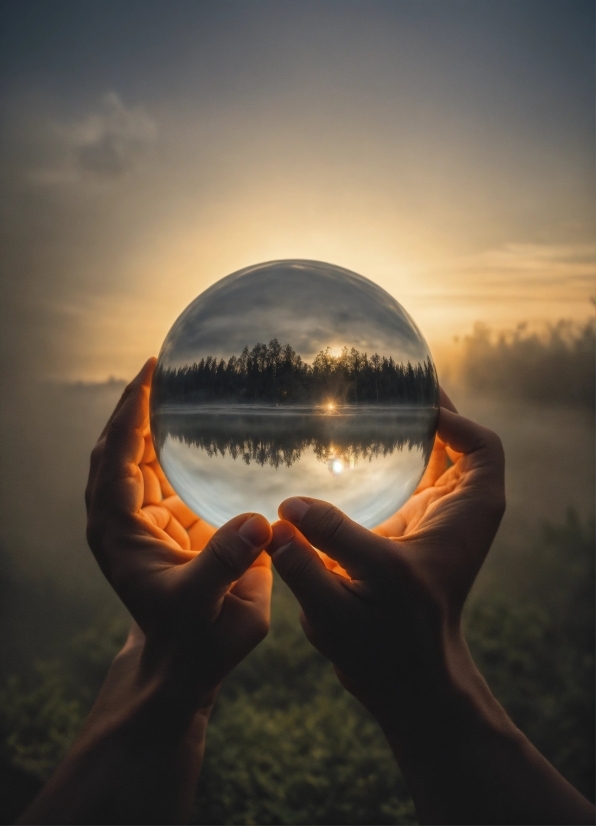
526 264
531 256
543 277
104 145
308 304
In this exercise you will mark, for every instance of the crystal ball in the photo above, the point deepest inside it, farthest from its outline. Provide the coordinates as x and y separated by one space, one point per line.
294 378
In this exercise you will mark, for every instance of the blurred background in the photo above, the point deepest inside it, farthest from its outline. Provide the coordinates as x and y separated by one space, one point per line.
443 150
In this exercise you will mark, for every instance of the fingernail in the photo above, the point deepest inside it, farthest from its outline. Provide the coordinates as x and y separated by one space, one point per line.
283 533
255 530
294 509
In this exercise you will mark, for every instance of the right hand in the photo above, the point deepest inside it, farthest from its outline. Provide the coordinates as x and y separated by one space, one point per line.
385 606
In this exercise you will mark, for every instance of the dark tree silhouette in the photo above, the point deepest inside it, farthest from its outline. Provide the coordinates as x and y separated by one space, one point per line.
276 374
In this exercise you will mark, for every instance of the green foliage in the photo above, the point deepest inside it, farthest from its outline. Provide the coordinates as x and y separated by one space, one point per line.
92 652
320 762
286 744
38 722
535 646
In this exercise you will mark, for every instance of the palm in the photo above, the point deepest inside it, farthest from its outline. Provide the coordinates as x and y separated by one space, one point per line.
166 511
437 481
166 574
184 535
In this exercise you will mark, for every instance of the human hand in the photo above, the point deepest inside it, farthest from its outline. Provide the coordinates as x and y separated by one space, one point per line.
200 596
385 606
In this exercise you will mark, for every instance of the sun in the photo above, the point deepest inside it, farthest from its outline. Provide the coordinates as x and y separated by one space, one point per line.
335 351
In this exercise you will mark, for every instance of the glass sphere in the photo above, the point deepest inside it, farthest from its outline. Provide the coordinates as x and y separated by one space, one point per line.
294 378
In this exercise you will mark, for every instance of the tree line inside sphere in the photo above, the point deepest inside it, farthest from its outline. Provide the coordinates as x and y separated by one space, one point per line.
275 374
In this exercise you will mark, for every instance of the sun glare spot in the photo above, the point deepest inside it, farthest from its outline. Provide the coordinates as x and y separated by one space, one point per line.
337 466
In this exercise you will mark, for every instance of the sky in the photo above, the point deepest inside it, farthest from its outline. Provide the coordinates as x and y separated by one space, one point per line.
444 150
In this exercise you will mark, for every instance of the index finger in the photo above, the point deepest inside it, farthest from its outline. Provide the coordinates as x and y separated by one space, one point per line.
467 437
118 475
440 455
98 451
125 394
446 401
318 590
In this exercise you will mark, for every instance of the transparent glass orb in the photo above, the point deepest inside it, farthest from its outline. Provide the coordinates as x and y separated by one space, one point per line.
294 378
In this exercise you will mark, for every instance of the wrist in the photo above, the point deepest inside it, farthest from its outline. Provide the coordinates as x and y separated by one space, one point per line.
455 711
138 743
442 691
145 703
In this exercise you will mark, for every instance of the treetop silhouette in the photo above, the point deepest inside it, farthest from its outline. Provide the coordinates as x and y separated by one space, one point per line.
275 374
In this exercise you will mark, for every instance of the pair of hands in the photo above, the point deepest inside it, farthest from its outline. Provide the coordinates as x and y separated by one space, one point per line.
383 606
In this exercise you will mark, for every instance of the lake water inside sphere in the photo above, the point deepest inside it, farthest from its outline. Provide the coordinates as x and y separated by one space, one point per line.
294 378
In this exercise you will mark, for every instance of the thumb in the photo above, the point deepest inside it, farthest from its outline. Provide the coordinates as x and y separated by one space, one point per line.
356 549
318 590
228 554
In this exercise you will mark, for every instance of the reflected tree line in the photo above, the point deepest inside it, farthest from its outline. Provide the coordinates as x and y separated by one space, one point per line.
274 440
275 374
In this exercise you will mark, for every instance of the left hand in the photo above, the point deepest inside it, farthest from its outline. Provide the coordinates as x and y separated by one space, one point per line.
200 596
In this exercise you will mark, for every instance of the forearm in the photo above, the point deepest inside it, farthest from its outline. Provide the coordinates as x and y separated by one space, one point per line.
112 781
465 761
137 759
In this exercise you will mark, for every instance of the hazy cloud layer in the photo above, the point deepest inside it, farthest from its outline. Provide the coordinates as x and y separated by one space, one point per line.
105 145
309 305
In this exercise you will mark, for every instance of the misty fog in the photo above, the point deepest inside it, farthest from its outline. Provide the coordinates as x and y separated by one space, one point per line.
51 585
529 621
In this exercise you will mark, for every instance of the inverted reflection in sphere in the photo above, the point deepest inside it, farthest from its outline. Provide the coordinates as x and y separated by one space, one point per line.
294 378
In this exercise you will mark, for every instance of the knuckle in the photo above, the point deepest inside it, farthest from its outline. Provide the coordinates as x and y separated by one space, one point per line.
221 549
296 565
494 442
330 523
